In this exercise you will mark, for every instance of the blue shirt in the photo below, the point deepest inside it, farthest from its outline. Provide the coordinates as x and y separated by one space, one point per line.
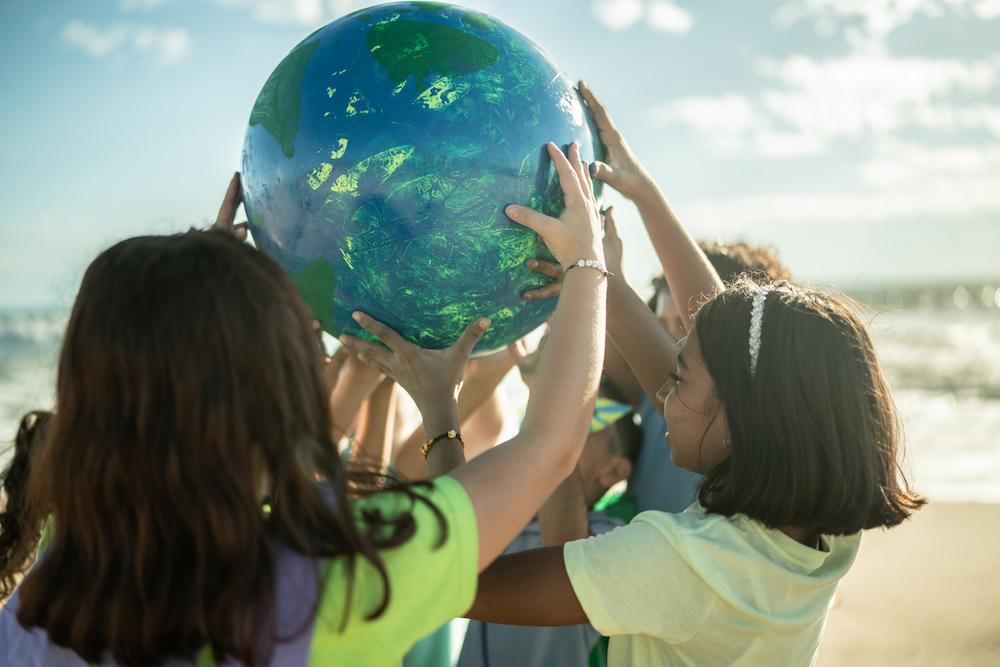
498 645
656 483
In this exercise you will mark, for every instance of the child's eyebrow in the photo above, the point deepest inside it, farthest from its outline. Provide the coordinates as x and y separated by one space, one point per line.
680 360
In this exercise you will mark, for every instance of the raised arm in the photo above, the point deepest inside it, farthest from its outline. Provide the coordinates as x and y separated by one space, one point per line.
375 445
484 376
688 272
642 351
565 517
647 347
509 483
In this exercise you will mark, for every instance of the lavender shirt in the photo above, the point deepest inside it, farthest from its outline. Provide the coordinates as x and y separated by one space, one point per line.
296 585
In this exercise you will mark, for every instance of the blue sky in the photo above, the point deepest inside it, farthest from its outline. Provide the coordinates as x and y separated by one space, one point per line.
860 137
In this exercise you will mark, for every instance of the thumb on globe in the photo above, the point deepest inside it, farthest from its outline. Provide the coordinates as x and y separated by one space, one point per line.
602 172
472 334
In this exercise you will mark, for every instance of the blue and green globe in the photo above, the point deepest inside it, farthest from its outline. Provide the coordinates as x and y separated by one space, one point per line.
380 155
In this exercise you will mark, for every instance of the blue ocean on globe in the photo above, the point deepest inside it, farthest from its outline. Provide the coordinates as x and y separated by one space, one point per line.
380 155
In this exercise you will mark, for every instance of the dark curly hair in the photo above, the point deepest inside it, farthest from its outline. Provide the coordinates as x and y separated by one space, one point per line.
733 260
20 523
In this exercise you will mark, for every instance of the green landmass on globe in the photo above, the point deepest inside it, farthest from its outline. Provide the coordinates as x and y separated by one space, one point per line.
380 155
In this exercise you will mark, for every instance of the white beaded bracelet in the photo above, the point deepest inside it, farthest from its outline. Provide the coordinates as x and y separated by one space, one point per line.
590 264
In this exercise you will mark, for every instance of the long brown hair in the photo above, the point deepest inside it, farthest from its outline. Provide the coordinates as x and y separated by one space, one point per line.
816 439
190 384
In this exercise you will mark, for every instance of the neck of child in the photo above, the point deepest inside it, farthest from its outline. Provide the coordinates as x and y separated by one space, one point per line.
801 535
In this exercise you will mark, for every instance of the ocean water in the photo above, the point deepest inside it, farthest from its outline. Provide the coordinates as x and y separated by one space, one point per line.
939 345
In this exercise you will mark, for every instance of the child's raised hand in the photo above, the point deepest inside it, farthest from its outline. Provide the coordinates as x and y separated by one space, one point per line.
577 232
613 252
612 258
429 376
227 211
620 169
550 270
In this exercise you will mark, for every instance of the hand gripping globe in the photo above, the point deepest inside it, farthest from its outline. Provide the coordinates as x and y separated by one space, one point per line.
380 155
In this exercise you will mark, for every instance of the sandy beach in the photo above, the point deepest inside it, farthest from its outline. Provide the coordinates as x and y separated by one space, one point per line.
925 593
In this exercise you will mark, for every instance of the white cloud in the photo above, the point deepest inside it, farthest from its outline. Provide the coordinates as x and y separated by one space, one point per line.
944 198
312 12
900 163
987 9
809 104
869 93
168 46
93 40
618 14
668 17
661 15
866 23
913 120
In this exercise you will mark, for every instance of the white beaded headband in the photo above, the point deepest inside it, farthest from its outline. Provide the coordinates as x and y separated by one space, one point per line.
756 320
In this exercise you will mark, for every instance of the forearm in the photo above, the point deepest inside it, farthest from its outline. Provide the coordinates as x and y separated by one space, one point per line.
375 447
648 349
349 394
411 465
553 432
447 453
527 588
617 370
477 390
564 515
689 274
573 357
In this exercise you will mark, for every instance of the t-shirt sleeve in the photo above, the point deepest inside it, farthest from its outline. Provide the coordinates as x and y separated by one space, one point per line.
637 580
430 582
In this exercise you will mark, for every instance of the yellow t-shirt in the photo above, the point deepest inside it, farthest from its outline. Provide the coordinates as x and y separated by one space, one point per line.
429 585
703 589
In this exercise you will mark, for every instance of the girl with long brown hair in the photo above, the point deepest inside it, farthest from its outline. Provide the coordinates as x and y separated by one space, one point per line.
190 395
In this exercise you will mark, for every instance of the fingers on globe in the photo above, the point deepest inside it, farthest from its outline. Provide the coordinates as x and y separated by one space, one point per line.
471 335
546 268
568 178
231 202
391 339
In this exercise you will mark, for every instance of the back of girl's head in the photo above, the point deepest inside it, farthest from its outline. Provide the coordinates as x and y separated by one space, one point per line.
815 435
190 384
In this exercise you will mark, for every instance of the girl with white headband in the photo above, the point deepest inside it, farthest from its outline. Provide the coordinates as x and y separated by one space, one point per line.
777 398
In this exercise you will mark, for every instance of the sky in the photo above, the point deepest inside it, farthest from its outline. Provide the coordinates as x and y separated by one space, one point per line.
861 138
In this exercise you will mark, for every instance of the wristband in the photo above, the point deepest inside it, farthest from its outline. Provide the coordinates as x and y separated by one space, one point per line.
449 435
589 264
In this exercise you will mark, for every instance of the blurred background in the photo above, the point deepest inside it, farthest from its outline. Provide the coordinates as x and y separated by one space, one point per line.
861 138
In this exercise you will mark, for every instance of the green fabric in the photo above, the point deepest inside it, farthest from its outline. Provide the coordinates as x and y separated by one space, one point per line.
703 589
619 505
599 654
429 585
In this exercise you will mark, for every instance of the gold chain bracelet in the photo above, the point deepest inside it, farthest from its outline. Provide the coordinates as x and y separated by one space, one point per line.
449 435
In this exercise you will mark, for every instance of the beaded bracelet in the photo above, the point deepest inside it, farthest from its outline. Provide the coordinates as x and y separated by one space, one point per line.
449 435
590 264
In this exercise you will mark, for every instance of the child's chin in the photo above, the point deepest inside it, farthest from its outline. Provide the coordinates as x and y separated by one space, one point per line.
678 460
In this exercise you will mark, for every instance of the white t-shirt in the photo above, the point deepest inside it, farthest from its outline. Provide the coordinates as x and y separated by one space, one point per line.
703 589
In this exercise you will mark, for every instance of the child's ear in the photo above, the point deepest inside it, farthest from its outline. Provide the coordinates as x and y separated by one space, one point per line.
617 468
